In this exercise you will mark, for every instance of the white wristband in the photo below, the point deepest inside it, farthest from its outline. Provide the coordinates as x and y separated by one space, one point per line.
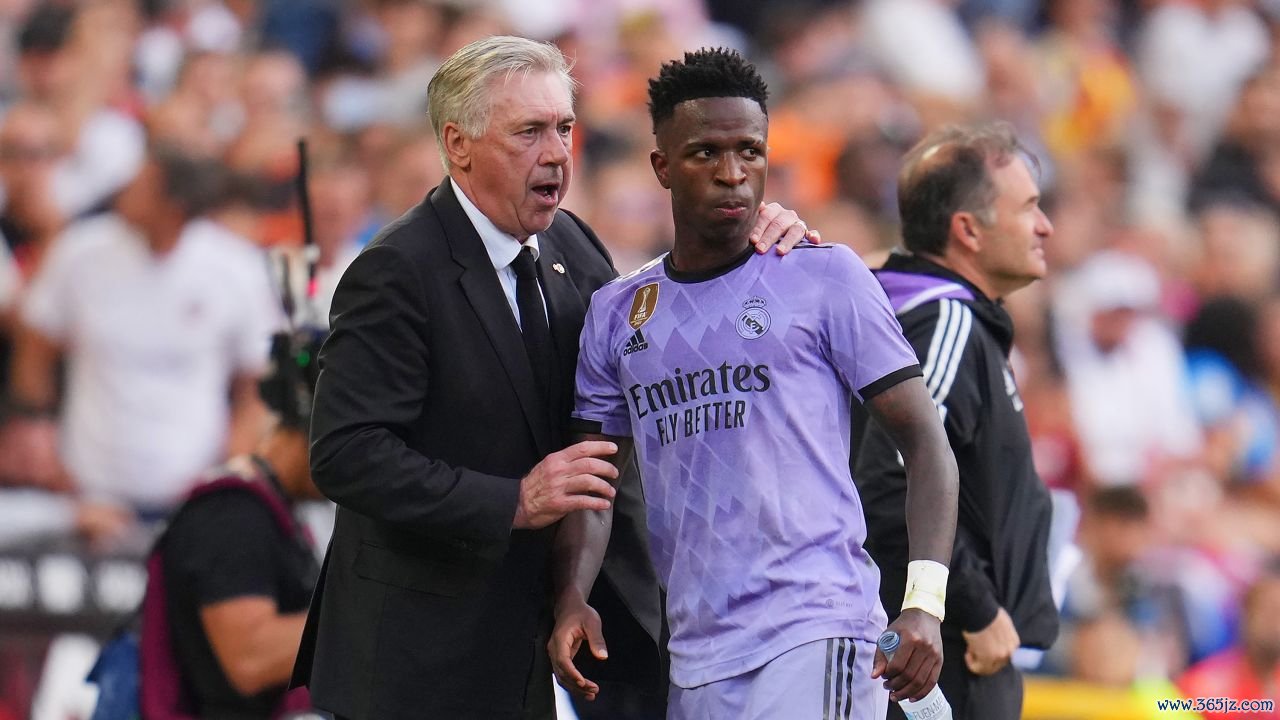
927 587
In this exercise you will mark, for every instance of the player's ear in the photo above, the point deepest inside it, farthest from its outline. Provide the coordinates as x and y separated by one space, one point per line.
658 160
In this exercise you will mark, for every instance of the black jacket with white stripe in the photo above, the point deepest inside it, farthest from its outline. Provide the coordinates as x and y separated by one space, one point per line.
963 339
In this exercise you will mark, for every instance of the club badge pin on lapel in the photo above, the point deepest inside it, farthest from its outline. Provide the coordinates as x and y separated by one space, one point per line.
558 268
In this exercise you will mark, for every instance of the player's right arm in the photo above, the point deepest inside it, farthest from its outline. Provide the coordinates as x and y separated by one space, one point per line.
600 414
577 555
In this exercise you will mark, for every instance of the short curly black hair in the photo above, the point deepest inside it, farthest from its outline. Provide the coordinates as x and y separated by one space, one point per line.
705 73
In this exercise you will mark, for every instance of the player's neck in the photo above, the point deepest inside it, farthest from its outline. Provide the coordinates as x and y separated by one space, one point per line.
694 254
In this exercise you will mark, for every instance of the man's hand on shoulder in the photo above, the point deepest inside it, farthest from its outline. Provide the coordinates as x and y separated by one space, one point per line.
778 226
918 661
575 478
991 648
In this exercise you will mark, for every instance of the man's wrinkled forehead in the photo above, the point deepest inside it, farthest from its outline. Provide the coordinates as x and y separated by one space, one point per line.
519 76
507 93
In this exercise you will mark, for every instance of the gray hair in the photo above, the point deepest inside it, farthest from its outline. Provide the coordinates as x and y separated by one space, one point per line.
459 90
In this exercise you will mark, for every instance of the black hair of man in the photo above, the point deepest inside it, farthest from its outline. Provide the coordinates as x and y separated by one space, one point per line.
1227 326
949 171
705 73
1123 502
46 29
197 184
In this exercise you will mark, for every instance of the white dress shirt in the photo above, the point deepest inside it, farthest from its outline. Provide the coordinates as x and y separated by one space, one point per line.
502 249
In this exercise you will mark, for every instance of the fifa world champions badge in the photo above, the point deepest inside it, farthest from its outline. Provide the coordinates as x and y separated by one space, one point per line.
754 320
643 305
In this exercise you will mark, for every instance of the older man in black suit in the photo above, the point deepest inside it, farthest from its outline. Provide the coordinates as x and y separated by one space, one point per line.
439 421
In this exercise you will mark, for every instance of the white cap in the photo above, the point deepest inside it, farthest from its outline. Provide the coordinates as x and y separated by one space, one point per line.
1112 280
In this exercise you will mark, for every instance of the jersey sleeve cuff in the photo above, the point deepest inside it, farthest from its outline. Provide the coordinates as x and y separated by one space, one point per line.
582 426
875 388
615 426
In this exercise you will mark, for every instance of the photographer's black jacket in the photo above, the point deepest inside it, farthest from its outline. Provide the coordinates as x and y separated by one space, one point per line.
963 339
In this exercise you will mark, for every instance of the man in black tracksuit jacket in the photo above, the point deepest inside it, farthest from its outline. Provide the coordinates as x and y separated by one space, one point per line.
973 230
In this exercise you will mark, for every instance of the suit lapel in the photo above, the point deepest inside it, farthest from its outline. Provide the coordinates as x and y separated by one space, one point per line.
480 284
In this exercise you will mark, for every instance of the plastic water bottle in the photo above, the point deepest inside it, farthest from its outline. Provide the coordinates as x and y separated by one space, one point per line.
933 706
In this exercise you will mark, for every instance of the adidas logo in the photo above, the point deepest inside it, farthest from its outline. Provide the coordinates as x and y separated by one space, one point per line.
635 343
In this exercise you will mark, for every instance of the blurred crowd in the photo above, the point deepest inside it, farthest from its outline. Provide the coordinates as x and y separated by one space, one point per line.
147 167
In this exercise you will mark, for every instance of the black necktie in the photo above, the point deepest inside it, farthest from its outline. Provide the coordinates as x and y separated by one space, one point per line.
533 320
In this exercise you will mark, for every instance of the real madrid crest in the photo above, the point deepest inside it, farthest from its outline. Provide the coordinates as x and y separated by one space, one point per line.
754 320
643 305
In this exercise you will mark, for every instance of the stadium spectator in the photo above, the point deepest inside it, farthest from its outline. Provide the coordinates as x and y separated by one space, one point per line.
1240 421
1268 346
30 150
201 114
926 50
1114 589
1236 252
1193 57
408 170
1242 167
413 32
58 66
1251 670
163 319
1125 371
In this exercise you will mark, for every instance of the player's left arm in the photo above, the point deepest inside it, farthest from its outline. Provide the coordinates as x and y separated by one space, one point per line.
578 553
867 342
907 413
866 347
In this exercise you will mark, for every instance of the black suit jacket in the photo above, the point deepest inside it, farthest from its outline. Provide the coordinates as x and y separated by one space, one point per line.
426 415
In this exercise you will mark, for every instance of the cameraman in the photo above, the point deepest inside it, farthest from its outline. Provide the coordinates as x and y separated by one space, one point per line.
238 570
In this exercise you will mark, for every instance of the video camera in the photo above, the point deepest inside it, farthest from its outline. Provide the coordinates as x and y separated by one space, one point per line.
290 382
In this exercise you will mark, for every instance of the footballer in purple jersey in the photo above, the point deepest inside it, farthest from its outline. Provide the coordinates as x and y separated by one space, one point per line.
734 385
731 375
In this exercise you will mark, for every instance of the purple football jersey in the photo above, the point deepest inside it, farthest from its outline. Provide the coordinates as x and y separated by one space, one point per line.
736 387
